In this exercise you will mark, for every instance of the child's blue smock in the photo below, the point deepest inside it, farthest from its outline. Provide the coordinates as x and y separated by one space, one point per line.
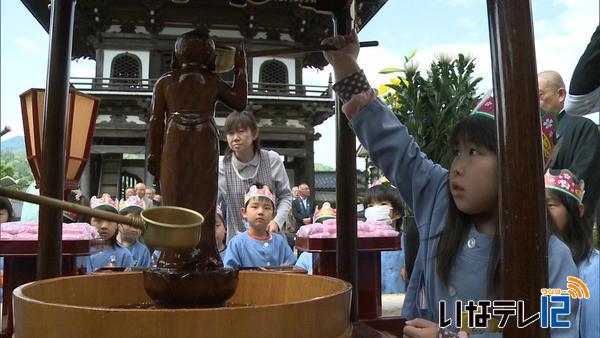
244 251
119 255
140 254
424 186
589 321
305 261
392 263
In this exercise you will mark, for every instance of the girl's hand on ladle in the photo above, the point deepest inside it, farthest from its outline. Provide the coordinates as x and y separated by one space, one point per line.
343 59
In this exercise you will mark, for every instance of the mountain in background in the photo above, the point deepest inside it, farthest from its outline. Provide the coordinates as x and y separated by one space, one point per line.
323 167
14 144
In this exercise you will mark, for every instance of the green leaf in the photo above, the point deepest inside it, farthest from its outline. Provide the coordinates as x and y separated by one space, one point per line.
432 102
411 54
390 70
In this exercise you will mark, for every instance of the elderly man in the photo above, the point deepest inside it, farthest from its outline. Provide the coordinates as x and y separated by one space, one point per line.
578 139
150 193
295 193
303 207
140 192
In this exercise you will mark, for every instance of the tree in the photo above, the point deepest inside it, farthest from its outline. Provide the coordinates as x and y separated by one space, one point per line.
16 166
431 106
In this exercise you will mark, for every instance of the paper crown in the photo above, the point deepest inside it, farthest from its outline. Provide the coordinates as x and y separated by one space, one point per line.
262 192
104 200
132 202
326 212
382 181
565 183
71 215
485 107
220 212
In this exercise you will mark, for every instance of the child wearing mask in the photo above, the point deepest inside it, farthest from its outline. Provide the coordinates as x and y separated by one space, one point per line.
384 204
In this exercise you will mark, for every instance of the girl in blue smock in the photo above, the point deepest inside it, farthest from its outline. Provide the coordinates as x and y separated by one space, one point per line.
455 210
384 204
220 233
564 193
112 254
128 236
256 246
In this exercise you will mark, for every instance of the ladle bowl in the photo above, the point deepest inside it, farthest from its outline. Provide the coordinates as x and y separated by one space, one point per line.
172 228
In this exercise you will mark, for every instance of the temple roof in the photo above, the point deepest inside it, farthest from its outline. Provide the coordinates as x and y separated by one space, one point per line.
276 17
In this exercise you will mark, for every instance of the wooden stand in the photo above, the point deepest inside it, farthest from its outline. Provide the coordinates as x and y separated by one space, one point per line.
20 259
369 274
265 304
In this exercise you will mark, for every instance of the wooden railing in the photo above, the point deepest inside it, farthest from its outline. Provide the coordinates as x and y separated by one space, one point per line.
254 88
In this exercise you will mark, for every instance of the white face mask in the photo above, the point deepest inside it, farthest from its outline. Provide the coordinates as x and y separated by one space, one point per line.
380 213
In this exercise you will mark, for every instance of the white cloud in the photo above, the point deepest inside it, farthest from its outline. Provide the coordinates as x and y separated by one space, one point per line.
28 44
558 43
83 68
560 47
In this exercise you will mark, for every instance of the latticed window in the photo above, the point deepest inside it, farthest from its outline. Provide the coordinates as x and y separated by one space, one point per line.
128 67
273 71
128 180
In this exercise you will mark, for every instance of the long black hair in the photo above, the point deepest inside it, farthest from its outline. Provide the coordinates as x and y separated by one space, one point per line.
481 131
577 234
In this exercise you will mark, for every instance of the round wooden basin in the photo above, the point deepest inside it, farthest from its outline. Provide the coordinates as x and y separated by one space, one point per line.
264 305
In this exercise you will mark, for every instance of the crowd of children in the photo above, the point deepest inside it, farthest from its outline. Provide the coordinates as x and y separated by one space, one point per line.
119 245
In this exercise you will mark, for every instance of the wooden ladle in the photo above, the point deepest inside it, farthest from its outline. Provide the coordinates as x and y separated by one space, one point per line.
166 228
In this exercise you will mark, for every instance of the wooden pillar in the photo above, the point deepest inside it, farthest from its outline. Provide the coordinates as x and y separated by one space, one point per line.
521 201
53 144
347 260
309 162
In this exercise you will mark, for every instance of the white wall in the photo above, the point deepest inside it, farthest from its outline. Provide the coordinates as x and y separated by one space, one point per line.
289 63
109 55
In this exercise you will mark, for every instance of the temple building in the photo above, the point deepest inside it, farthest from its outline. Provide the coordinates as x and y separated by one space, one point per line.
132 45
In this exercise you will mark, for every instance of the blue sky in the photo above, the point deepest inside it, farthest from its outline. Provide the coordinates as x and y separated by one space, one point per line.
562 30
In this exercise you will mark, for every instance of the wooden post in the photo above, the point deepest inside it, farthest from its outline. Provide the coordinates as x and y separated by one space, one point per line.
521 201
345 179
53 144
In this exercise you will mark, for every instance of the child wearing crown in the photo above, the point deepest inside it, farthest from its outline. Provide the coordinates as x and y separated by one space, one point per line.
128 235
112 254
564 197
220 232
257 247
